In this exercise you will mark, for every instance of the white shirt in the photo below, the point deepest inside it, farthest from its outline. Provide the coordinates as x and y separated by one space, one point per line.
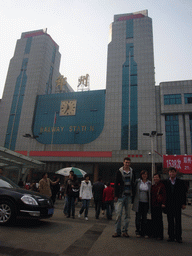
172 181
143 189
86 190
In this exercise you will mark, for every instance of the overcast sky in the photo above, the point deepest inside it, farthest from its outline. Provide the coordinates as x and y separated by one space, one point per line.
81 29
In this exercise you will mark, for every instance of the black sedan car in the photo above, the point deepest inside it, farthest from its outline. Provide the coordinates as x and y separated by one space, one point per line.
17 202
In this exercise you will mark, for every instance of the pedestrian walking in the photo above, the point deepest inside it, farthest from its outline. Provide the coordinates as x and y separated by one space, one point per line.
86 195
65 210
158 201
45 185
72 192
123 192
98 188
108 199
141 204
176 200
55 189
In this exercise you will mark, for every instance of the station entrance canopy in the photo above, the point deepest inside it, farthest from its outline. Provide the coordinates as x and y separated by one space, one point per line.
10 158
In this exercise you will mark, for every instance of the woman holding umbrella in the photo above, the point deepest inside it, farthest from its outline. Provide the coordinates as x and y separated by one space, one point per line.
85 195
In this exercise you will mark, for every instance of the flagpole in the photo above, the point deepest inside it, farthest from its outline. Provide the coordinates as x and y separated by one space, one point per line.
53 129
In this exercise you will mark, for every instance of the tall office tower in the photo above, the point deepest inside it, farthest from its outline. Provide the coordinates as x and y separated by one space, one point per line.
130 92
33 70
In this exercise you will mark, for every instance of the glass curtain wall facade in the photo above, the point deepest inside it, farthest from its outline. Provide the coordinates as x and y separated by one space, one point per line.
172 135
129 133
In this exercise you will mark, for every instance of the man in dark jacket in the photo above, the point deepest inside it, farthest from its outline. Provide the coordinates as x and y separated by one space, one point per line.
176 200
124 184
98 188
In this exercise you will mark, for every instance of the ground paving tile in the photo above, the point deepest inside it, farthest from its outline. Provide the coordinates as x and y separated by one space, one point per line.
62 236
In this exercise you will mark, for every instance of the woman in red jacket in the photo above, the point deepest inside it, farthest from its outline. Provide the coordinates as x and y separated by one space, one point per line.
108 199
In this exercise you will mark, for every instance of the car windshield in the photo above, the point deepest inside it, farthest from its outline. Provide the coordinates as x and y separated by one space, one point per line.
7 183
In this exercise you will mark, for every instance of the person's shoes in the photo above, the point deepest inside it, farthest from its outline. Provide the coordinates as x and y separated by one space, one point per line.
68 216
170 240
146 237
86 218
79 215
73 217
125 235
138 236
116 235
179 241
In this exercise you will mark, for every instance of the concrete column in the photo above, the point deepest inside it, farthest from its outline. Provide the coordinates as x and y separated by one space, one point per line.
96 172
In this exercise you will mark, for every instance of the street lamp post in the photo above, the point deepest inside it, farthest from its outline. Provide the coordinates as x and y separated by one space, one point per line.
152 135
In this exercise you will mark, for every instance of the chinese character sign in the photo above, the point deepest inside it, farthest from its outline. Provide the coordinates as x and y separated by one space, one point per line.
83 80
61 81
181 163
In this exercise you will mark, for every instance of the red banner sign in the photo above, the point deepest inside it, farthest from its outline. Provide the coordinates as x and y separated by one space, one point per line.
181 163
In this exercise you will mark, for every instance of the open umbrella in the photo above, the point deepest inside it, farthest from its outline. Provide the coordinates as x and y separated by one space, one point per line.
65 171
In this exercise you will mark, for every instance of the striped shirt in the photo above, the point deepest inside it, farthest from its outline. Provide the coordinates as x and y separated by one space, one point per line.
127 187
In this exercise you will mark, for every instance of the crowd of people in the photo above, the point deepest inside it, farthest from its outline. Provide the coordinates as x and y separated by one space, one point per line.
168 196
103 197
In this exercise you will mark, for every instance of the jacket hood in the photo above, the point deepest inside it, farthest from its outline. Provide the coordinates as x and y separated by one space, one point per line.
121 169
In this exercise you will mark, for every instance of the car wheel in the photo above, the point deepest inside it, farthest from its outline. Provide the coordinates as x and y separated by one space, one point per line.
7 212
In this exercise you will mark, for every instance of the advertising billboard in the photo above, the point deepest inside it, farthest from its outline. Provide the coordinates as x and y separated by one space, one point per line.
183 163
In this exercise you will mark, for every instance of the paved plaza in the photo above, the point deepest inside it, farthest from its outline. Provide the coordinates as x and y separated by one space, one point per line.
62 236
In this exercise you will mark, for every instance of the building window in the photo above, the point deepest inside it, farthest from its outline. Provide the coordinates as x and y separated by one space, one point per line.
170 99
53 54
188 98
129 130
172 134
16 107
48 89
129 29
28 45
190 123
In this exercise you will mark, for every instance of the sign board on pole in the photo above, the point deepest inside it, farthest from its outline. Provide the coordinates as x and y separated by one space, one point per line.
181 162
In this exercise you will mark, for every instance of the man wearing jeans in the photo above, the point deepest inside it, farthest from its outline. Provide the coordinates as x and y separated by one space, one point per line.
124 184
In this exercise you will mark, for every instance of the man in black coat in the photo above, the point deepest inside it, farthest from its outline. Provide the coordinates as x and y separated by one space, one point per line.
98 188
176 200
